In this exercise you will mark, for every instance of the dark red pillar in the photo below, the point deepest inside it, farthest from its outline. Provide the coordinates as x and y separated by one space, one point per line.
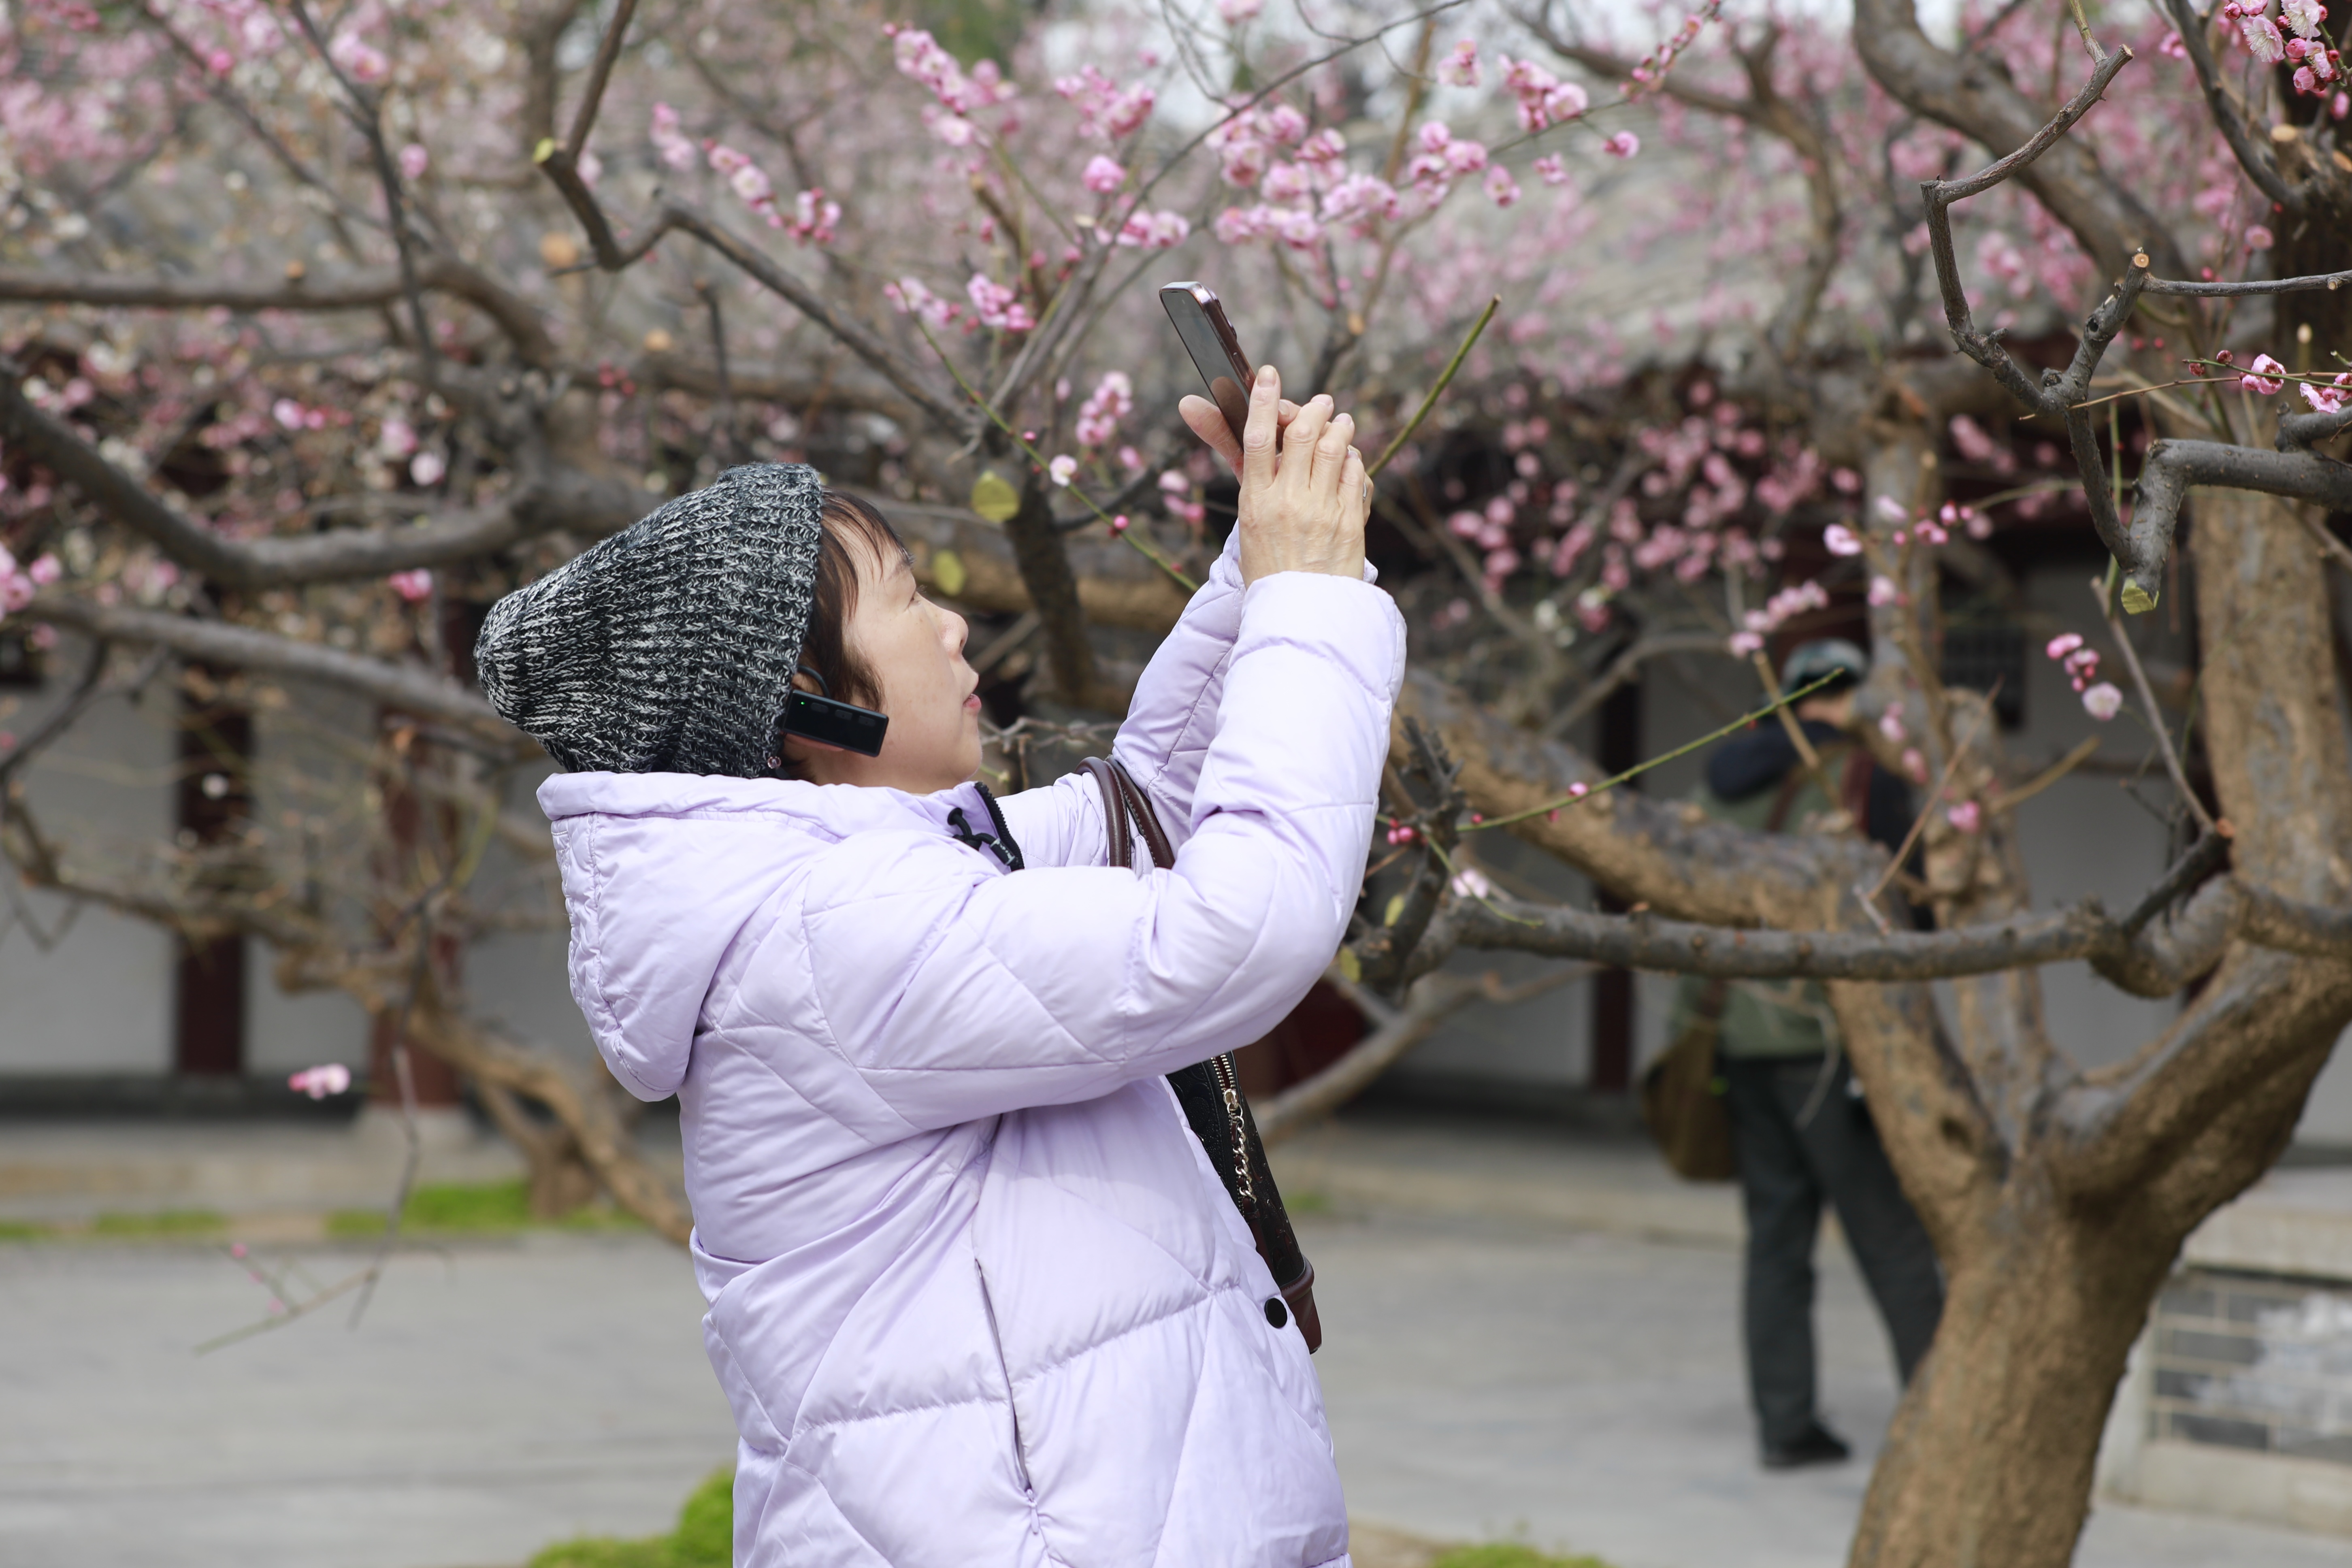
214 803
1619 747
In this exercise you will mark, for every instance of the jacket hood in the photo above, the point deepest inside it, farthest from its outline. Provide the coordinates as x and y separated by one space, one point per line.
663 871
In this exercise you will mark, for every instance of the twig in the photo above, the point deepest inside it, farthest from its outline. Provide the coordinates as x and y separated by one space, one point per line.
2154 714
1640 768
2045 778
1149 552
1444 381
1919 823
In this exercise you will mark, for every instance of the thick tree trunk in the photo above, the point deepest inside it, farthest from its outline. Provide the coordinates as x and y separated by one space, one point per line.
1989 1462
2060 1211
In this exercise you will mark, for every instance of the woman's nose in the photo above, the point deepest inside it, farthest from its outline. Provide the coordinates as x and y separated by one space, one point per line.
954 630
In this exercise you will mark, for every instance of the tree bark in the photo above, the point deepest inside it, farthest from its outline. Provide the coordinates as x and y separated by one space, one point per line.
1990 1459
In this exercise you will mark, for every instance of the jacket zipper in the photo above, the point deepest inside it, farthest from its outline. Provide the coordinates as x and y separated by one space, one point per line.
1020 1449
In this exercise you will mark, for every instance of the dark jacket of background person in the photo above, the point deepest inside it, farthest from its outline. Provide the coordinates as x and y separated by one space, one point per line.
1745 777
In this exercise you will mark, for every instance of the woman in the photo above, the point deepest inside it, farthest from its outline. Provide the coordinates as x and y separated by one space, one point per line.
976 1295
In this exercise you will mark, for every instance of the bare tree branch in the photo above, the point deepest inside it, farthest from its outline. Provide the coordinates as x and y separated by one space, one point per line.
407 688
353 292
1972 94
565 499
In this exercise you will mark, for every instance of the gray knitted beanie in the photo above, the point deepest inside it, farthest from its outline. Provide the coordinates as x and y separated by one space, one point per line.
668 647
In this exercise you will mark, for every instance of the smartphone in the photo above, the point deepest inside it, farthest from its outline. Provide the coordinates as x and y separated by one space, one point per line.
1209 337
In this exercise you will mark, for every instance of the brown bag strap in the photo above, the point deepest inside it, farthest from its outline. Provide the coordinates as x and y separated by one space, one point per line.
1209 1092
1129 815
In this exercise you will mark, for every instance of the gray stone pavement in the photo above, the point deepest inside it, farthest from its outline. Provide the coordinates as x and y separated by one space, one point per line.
1527 1335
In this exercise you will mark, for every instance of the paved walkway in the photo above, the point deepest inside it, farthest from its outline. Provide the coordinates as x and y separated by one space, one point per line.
1526 1336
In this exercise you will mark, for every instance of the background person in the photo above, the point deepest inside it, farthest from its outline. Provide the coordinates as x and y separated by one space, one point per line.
1800 1131
976 1296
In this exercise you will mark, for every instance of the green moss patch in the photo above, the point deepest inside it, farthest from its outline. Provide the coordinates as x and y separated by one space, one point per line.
704 1537
162 1223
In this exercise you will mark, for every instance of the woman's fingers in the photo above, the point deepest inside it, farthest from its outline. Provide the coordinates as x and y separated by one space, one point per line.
1355 497
1208 422
1330 456
1256 466
1300 441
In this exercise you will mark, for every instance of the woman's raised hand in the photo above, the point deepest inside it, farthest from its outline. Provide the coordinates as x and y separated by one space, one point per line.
1304 511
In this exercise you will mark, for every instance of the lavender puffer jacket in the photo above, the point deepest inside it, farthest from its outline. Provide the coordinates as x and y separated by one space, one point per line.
976 1296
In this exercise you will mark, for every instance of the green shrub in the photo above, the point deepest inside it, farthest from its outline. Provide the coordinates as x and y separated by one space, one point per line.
1510 1554
704 1538
25 1230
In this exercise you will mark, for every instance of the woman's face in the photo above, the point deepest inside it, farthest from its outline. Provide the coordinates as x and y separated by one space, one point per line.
915 649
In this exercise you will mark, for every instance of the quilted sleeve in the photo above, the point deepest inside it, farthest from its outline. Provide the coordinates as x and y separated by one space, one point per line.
956 993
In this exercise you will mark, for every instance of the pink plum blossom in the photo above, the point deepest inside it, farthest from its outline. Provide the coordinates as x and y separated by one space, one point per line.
1236 12
415 586
1471 883
1968 815
1624 144
813 217
1154 230
1840 540
2265 375
2303 16
1286 184
1501 189
414 160
1102 175
746 179
1915 767
1543 99
1062 469
43 570
2329 399
669 141
997 306
1883 592
426 468
1105 108
909 298
319 1082
2103 701
1551 169
2261 35
396 440
1745 643
2259 237
1459 68
1112 400
360 60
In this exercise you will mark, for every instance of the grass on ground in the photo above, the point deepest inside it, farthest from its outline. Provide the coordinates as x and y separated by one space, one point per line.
706 1526
471 1208
704 1538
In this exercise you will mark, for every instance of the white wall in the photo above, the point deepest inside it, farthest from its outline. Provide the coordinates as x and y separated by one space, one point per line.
99 998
